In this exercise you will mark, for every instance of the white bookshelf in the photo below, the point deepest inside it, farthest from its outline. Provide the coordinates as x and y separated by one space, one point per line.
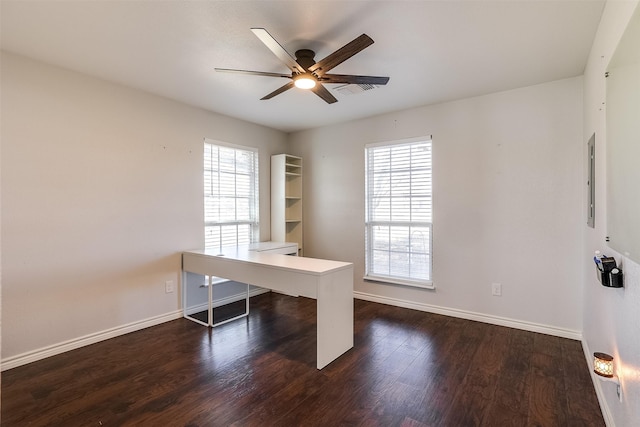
286 199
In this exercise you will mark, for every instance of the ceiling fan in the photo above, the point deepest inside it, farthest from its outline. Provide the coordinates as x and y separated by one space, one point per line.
306 73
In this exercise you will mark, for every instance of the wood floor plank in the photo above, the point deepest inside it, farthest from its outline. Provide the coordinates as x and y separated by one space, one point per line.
510 404
577 386
407 368
478 389
547 405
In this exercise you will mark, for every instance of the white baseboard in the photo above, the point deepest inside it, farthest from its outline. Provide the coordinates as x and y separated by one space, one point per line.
470 315
52 350
72 344
597 385
512 323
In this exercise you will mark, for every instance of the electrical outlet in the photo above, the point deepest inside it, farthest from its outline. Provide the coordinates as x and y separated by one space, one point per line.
168 286
496 289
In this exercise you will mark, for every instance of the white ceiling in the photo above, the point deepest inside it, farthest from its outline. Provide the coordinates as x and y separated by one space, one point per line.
434 51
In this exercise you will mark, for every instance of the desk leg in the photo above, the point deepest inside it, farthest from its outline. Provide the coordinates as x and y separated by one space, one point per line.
210 308
190 307
335 316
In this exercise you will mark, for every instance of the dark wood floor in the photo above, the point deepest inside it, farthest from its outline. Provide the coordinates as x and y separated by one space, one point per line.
408 368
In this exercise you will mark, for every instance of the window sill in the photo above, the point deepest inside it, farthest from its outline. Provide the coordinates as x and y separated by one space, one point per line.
394 281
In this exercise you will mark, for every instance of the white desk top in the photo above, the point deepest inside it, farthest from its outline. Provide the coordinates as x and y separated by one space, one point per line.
285 262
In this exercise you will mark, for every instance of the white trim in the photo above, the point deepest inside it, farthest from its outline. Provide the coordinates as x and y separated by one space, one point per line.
396 281
597 385
230 145
471 315
212 167
400 141
75 343
196 309
380 163
72 344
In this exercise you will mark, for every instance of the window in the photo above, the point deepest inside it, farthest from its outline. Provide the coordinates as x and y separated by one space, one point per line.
230 195
398 217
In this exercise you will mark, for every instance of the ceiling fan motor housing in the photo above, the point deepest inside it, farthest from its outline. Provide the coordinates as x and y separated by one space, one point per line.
304 57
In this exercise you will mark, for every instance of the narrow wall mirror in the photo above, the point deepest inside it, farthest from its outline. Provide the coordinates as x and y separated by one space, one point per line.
623 143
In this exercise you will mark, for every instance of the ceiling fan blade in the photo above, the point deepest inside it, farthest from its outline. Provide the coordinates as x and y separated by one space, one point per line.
349 79
278 50
278 91
341 55
254 73
323 93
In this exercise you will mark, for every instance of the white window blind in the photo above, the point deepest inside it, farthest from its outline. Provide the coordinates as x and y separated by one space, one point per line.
230 195
399 210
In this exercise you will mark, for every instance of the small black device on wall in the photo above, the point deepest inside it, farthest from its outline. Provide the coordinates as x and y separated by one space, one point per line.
608 272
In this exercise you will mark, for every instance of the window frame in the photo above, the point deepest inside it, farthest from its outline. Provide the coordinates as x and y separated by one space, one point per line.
254 198
370 223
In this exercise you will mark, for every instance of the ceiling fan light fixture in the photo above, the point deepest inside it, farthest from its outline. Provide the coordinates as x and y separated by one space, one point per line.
308 74
304 81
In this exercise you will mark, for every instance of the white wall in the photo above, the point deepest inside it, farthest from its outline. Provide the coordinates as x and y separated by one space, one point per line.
611 316
101 190
508 203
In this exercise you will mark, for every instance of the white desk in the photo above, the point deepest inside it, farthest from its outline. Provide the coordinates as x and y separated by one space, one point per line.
329 282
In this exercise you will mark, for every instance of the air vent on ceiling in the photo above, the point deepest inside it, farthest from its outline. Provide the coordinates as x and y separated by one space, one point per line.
353 89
